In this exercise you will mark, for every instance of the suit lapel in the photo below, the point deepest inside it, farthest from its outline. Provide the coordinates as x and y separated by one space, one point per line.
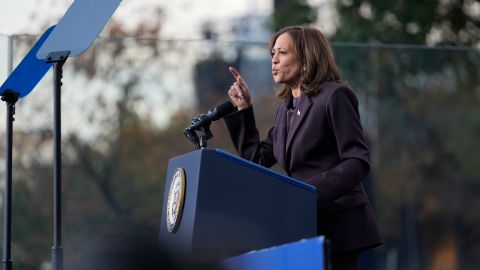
281 124
301 112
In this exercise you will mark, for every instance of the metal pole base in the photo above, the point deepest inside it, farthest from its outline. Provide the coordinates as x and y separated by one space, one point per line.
57 258
7 265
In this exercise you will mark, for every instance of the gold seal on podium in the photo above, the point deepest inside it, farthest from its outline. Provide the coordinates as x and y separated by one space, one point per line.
176 198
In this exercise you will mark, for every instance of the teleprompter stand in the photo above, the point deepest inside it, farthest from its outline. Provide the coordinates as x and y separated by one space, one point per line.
73 35
18 85
57 59
10 99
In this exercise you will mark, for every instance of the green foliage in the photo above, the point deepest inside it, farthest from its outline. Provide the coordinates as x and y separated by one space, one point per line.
292 12
420 111
408 21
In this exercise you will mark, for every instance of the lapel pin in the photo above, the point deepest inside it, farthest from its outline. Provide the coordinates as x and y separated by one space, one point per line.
298 112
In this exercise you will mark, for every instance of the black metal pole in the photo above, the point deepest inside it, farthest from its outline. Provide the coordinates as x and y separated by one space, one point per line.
57 250
10 98
57 59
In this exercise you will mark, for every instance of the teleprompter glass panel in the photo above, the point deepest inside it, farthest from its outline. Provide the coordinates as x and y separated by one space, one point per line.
79 27
29 72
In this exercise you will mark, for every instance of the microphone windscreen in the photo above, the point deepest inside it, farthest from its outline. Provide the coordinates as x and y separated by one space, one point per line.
225 109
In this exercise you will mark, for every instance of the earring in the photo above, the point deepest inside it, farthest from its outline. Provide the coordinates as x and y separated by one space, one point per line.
304 69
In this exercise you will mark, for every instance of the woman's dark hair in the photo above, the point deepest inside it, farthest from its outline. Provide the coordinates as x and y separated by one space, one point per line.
316 56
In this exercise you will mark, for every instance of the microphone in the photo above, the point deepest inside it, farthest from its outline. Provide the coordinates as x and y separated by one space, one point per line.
212 115
202 124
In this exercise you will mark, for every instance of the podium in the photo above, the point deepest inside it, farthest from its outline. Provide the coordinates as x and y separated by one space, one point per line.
217 205
306 254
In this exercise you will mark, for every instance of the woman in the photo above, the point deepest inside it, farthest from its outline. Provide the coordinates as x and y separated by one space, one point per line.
317 138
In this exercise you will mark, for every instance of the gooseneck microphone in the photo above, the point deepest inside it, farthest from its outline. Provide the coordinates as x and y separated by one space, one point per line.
202 123
212 115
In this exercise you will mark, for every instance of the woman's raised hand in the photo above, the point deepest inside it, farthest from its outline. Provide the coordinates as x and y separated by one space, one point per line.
238 92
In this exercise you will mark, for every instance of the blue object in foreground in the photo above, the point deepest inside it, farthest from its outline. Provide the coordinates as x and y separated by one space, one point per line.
308 254
29 72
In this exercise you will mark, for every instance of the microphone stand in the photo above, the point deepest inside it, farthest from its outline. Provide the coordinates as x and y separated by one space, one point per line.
10 98
200 142
205 134
202 124
192 136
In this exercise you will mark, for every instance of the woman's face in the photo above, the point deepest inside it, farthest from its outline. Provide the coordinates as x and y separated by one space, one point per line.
286 65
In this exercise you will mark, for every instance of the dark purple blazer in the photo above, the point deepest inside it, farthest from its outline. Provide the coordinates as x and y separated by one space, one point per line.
325 147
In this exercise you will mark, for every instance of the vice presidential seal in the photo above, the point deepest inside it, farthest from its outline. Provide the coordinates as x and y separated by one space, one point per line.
176 197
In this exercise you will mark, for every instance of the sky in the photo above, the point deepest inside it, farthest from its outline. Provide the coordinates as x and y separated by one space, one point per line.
182 18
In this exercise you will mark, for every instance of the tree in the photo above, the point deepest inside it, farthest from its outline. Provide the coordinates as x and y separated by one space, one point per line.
410 21
100 169
423 170
291 12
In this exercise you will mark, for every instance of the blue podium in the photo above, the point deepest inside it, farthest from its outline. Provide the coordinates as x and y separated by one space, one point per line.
217 205
306 254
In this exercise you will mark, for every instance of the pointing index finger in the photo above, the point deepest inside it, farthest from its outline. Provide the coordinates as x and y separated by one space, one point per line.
237 76
234 72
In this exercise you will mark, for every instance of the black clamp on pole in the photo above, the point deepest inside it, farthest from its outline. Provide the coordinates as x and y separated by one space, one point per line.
200 141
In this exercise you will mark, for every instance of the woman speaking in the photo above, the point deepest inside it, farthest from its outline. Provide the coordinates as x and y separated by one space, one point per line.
317 137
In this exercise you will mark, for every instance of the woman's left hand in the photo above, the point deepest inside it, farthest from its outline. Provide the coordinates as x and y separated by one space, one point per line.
238 92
